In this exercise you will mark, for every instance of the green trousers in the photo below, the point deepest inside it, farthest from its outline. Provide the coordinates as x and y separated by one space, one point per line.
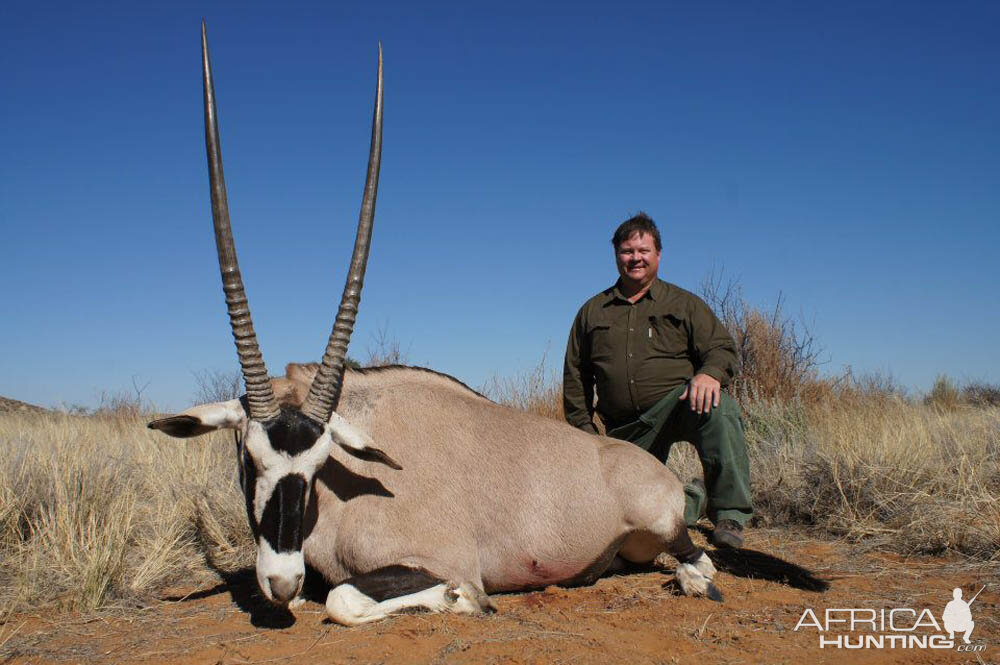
722 449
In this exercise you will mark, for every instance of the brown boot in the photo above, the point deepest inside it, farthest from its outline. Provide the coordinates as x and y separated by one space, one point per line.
728 533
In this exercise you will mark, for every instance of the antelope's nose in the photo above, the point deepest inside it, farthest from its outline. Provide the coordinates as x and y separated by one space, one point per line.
284 589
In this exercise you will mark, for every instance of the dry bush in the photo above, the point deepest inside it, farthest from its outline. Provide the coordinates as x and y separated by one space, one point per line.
122 405
216 385
98 510
981 394
385 349
944 394
779 359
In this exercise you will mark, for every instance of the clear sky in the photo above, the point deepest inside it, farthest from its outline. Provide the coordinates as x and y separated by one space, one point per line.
845 155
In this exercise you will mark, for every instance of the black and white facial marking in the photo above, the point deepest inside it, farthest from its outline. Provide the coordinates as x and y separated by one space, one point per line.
278 461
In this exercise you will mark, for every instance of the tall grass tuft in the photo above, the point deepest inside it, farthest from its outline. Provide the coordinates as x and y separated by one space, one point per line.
97 510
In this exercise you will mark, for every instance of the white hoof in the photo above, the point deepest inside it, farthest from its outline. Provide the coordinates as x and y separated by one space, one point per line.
705 566
694 583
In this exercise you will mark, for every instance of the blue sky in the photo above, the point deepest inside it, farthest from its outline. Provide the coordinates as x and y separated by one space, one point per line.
843 155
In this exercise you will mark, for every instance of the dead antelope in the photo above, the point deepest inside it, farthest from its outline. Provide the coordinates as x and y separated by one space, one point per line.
406 489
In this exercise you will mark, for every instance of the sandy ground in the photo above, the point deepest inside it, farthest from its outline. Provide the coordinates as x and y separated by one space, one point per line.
632 618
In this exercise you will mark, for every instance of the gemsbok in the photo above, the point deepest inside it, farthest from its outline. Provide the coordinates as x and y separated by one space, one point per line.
406 489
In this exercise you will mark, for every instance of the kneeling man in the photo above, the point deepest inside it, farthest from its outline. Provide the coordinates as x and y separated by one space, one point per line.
659 358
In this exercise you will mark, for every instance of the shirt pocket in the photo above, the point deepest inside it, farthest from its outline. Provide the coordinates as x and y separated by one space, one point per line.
669 336
600 342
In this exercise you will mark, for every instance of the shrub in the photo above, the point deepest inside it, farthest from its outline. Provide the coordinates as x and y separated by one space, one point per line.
385 349
981 394
216 385
944 394
778 359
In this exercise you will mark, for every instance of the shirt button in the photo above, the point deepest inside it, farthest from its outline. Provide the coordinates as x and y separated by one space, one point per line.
631 329
631 380
630 355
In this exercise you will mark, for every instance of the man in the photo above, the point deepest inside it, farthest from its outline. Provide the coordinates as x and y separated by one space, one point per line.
658 358
957 616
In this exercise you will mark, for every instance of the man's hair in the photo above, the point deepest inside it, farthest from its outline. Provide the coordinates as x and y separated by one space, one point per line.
641 223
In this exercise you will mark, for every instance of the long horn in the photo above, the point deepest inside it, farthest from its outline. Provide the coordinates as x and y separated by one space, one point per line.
263 406
325 390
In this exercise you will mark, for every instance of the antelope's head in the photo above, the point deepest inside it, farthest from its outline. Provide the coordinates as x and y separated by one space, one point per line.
281 449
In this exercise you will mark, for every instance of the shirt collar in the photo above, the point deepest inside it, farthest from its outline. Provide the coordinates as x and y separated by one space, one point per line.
657 291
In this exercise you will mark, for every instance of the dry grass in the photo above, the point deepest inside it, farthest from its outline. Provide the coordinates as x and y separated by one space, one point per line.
100 509
535 391
909 477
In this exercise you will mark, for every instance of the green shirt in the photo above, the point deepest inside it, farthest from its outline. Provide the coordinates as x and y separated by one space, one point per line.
634 354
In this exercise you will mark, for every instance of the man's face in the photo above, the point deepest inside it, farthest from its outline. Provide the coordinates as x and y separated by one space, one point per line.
638 259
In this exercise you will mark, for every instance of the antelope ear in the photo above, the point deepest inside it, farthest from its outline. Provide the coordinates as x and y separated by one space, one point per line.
357 443
372 454
202 419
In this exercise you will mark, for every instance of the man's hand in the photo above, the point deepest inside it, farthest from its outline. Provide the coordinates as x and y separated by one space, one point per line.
702 393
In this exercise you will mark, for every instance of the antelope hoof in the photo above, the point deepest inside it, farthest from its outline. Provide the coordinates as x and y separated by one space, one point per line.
467 598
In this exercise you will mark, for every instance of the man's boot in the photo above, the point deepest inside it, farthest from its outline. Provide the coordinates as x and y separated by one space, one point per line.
728 533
